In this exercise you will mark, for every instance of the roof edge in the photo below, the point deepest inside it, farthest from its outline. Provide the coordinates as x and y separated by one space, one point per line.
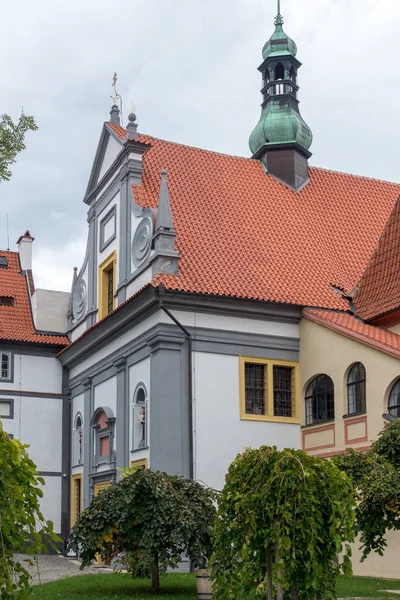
359 337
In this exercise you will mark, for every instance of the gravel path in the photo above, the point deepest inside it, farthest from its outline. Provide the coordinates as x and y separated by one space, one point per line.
53 567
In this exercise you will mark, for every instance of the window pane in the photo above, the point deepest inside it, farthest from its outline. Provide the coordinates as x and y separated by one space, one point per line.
110 290
255 389
105 446
320 402
5 366
5 409
283 391
77 499
356 389
394 400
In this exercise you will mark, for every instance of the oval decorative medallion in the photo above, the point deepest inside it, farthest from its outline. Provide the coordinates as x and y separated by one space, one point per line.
141 243
79 300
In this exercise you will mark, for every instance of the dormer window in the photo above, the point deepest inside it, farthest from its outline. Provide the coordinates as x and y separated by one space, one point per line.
6 301
3 262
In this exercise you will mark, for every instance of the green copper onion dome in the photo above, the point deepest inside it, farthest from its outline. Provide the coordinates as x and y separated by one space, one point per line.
279 43
280 124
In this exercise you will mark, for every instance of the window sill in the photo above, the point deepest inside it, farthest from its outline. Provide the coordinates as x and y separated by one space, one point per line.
139 449
319 424
268 419
356 414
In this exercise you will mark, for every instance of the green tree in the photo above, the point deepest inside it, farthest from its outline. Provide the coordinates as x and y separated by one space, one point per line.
283 518
22 526
152 518
376 476
12 141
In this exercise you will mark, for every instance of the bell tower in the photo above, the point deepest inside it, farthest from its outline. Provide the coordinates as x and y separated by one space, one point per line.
281 139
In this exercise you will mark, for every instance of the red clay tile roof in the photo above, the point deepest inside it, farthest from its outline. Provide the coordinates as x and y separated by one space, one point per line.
346 324
242 233
379 290
16 323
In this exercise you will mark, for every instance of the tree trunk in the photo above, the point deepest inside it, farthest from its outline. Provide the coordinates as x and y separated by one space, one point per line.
295 595
155 576
279 589
268 560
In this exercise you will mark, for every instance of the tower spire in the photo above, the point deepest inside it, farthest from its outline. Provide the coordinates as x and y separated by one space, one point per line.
281 138
278 18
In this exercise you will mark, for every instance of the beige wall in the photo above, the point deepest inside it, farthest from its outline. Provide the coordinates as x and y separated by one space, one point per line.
324 351
386 566
328 352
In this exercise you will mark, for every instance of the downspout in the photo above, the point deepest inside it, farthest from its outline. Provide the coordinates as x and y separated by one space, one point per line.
190 376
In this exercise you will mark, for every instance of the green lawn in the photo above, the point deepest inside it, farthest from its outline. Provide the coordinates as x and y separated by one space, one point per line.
111 587
180 587
362 587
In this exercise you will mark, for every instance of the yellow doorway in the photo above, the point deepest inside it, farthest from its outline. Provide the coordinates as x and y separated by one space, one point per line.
98 488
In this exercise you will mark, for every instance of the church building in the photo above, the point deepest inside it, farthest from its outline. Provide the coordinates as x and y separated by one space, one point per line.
223 302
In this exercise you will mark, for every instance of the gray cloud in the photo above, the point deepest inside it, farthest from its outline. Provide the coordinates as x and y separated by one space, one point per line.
190 66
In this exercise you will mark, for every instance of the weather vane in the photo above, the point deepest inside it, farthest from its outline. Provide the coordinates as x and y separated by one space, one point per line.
114 84
278 19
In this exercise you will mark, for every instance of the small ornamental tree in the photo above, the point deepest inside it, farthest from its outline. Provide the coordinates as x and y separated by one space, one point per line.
150 517
283 518
376 476
22 526
12 141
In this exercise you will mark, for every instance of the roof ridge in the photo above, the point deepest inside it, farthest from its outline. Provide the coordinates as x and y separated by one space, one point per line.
326 170
235 156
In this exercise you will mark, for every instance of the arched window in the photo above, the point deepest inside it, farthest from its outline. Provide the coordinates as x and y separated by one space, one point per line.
356 389
77 457
320 401
103 423
140 420
279 71
394 400
293 74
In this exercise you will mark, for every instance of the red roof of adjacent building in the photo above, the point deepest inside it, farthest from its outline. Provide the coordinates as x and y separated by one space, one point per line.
241 233
348 325
16 322
379 290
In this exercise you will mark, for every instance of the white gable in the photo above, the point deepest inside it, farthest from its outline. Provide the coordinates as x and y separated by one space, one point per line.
112 150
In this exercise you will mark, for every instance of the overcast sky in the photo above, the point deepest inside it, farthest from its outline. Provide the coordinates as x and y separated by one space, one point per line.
190 67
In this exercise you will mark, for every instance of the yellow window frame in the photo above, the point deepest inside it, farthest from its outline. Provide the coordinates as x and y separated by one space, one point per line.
74 512
269 390
141 462
109 263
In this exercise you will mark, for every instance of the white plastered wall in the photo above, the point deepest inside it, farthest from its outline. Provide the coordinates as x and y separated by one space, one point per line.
111 153
219 433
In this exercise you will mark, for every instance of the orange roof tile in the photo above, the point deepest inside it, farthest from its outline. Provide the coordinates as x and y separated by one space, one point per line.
16 322
346 324
378 292
242 233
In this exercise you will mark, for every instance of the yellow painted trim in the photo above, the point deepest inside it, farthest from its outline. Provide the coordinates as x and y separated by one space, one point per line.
104 267
269 392
74 515
100 487
141 462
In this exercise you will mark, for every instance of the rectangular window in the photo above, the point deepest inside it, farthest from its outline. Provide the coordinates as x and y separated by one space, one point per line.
283 391
269 390
5 366
255 389
6 408
107 285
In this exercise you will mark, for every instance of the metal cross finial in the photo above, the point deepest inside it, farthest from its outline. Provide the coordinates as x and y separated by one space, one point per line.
114 84
278 18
